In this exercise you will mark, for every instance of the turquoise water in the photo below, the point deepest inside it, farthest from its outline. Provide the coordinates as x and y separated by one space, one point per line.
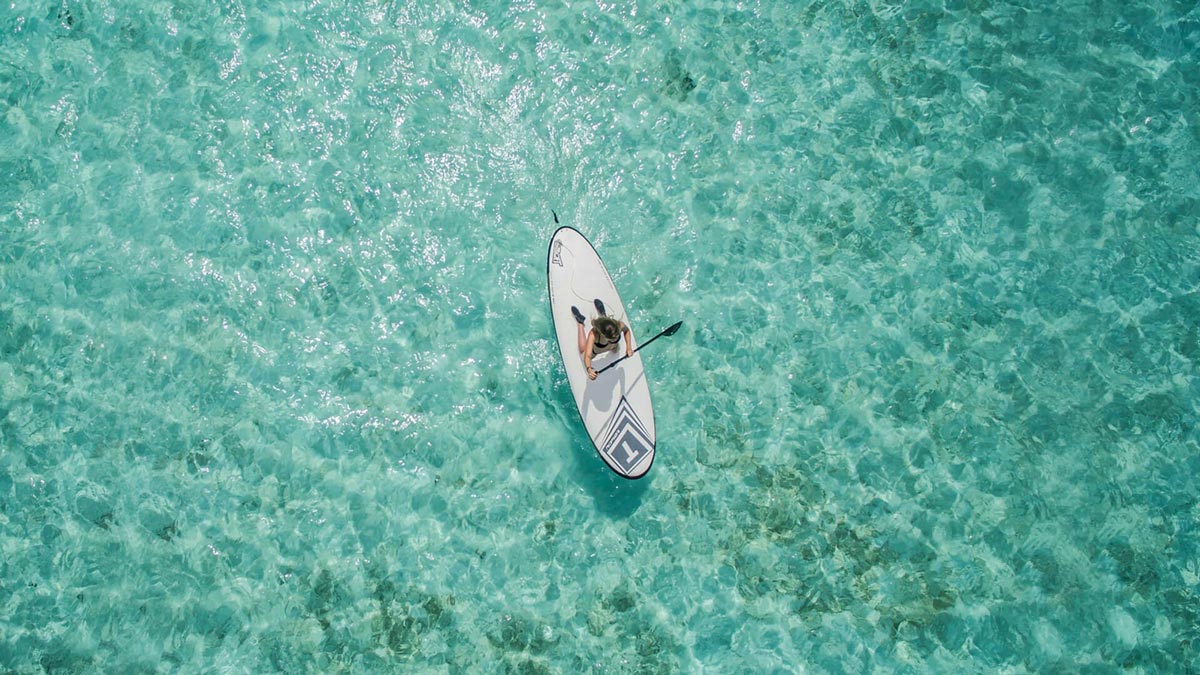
277 390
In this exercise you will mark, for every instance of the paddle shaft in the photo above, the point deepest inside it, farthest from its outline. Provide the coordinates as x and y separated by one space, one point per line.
668 332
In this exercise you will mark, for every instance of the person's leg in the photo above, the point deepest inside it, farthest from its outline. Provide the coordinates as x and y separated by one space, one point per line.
582 334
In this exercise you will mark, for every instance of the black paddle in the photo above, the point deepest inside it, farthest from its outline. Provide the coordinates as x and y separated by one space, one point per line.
671 330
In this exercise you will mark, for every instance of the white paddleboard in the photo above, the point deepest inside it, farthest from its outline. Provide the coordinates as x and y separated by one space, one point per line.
615 407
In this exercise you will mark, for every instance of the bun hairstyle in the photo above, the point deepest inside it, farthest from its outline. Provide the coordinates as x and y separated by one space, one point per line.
608 328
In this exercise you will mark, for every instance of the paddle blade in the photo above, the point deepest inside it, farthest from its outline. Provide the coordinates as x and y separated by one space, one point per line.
672 329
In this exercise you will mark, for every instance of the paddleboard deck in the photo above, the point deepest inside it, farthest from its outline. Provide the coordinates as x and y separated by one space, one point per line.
615 407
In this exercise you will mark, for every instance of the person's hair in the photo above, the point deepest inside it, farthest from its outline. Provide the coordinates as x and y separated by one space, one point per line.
608 327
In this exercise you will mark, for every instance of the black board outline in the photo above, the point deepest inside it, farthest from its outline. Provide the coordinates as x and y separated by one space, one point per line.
578 412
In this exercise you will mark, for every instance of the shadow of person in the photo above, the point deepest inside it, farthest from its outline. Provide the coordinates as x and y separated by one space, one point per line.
599 394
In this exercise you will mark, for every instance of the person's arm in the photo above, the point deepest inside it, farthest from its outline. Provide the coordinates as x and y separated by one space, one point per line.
628 340
587 354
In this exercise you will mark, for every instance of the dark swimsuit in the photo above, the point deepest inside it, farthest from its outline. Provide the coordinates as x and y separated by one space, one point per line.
599 346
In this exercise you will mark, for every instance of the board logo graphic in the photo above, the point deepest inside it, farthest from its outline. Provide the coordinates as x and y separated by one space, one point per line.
626 443
557 257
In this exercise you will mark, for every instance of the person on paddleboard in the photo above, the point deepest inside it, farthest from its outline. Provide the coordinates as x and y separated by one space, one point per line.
605 336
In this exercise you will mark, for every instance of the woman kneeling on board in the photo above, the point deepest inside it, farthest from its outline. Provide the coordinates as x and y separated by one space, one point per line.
604 336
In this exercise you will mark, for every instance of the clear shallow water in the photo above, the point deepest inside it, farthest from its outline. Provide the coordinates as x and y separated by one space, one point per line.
278 396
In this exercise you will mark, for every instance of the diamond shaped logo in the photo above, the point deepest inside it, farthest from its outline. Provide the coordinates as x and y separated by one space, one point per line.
626 443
